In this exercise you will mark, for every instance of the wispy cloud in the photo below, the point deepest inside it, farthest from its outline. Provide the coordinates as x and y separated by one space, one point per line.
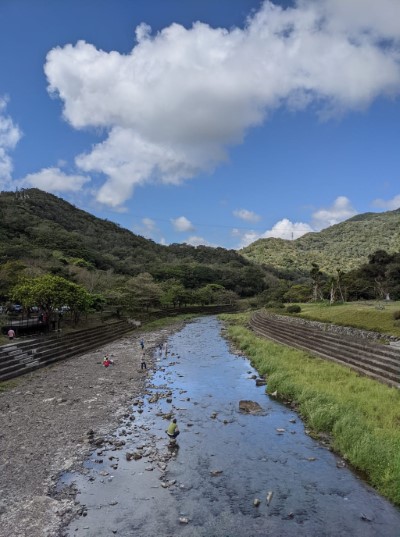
54 180
147 228
388 205
10 135
248 216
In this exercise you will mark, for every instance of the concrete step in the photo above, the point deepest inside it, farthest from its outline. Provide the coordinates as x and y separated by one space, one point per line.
43 351
366 358
390 353
337 348
377 375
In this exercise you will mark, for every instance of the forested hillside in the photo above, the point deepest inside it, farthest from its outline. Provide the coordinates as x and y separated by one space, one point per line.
344 246
41 233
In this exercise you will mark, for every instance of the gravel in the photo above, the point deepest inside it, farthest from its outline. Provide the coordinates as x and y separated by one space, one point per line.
47 425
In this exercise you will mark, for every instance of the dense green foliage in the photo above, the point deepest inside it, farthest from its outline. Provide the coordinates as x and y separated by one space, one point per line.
362 415
343 246
43 234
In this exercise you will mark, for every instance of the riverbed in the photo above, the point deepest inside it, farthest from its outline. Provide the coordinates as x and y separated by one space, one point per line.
231 473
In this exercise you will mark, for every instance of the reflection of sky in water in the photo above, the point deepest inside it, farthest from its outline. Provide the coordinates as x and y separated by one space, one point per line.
251 459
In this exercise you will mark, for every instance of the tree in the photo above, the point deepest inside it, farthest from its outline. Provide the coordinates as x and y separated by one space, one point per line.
52 292
298 293
317 279
174 293
142 292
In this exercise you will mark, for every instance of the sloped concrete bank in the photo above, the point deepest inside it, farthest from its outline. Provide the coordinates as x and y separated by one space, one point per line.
380 362
347 331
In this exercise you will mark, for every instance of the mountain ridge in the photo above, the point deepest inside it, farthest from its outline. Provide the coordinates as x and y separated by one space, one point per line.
343 246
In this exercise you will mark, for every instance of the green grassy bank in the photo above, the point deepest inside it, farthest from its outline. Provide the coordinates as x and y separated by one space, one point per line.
366 315
361 415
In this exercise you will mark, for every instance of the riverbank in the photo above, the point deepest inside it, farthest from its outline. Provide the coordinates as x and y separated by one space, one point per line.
360 415
49 423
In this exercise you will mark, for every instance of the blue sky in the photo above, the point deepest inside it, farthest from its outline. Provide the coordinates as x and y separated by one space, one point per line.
204 121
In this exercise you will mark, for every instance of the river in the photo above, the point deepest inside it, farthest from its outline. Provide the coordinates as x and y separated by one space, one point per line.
224 461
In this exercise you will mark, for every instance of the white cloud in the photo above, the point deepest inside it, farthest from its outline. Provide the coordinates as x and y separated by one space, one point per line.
148 229
249 216
198 241
172 106
284 229
388 205
340 210
54 180
149 224
182 224
10 134
379 19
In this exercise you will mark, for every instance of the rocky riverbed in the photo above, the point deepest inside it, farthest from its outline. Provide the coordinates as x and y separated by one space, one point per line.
50 423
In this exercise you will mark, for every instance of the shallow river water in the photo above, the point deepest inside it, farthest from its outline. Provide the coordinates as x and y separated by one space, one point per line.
225 459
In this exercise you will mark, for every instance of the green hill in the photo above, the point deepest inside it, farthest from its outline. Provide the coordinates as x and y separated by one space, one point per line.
345 245
41 233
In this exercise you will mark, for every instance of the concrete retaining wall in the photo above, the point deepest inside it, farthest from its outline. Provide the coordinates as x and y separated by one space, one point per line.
21 357
378 361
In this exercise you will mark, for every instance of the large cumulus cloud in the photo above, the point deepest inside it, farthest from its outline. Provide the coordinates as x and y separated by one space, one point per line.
172 106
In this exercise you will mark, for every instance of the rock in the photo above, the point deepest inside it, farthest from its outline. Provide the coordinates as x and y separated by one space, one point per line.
99 441
215 472
365 517
269 497
256 502
311 459
251 407
135 456
280 431
274 394
183 520
214 415
261 382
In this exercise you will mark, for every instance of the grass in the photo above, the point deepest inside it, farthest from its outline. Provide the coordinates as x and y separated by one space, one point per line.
361 415
166 321
8 385
376 316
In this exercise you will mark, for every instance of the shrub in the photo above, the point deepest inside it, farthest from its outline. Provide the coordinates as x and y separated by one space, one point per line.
295 308
396 315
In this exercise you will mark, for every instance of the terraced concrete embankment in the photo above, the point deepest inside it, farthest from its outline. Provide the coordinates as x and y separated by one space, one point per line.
24 356
378 361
